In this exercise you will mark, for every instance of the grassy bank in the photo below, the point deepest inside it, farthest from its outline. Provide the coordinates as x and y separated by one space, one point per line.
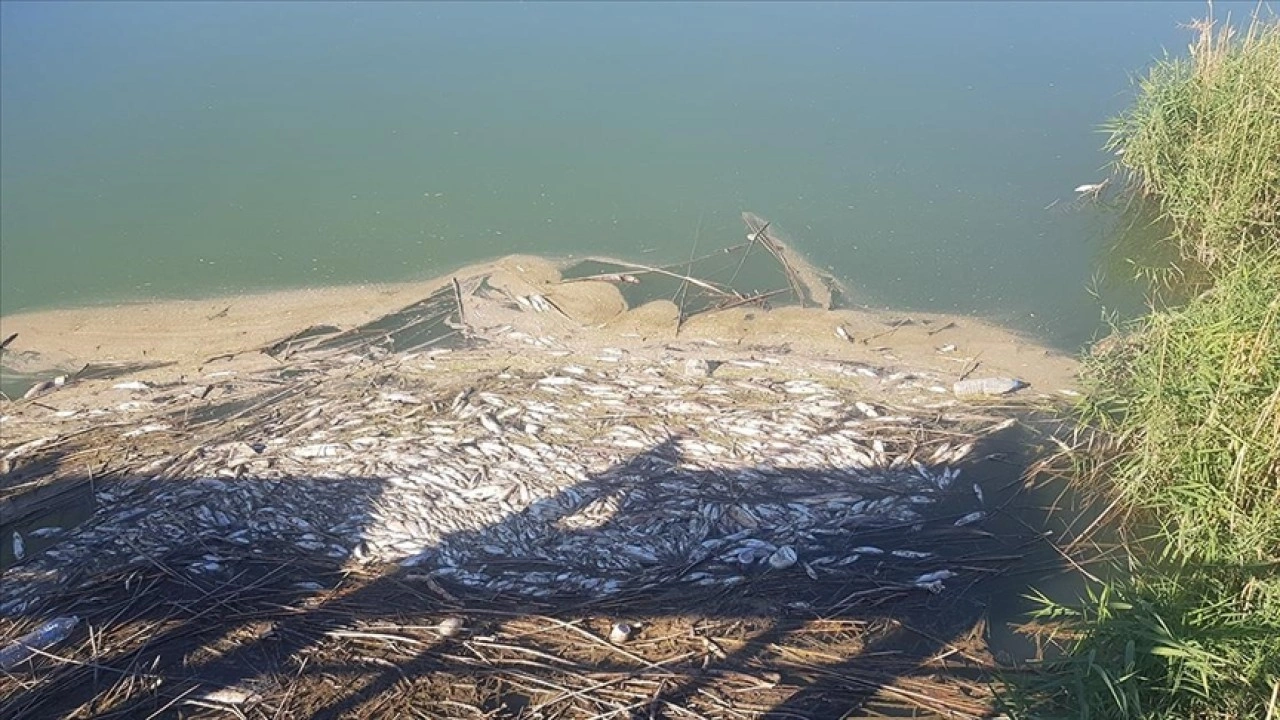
1187 400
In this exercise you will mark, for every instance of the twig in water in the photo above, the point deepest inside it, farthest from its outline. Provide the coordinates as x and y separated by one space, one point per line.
793 278
751 243
684 284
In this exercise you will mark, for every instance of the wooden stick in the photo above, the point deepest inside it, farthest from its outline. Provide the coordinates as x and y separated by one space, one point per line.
457 296
692 280
752 298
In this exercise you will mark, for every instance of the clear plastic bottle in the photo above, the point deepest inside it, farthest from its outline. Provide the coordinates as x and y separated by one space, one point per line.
987 386
43 637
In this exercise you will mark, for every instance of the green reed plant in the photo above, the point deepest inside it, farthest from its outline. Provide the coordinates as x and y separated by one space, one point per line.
1190 397
1203 136
1195 641
1187 401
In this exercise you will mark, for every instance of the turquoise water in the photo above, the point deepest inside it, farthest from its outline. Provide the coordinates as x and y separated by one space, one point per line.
183 149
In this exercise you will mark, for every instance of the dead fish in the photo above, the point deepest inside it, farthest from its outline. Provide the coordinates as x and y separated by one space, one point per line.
911 554
403 398
971 518
131 385
319 451
932 577
38 389
620 633
231 696
145 429
783 558
490 424
451 626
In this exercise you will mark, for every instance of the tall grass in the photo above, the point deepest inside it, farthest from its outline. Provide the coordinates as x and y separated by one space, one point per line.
1191 398
1188 399
1203 137
1196 641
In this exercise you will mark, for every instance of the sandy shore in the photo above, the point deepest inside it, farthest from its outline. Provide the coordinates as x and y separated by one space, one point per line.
181 336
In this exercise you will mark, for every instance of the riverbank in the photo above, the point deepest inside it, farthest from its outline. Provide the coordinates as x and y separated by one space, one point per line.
787 516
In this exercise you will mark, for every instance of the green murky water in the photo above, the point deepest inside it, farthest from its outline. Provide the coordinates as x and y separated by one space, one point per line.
180 149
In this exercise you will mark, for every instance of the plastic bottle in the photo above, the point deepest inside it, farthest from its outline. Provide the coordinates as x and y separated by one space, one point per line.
987 386
45 636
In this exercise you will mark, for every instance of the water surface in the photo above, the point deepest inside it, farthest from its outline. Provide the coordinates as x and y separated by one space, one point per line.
184 149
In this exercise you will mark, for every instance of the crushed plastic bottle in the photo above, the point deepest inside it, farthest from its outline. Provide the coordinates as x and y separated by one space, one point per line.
988 386
43 637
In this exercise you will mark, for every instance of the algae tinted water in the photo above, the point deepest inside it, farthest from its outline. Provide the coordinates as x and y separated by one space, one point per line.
180 149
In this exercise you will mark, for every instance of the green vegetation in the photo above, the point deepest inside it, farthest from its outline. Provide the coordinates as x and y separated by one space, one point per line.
1203 138
1187 400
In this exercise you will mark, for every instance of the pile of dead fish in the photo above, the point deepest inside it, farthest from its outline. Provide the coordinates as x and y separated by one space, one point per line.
572 481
